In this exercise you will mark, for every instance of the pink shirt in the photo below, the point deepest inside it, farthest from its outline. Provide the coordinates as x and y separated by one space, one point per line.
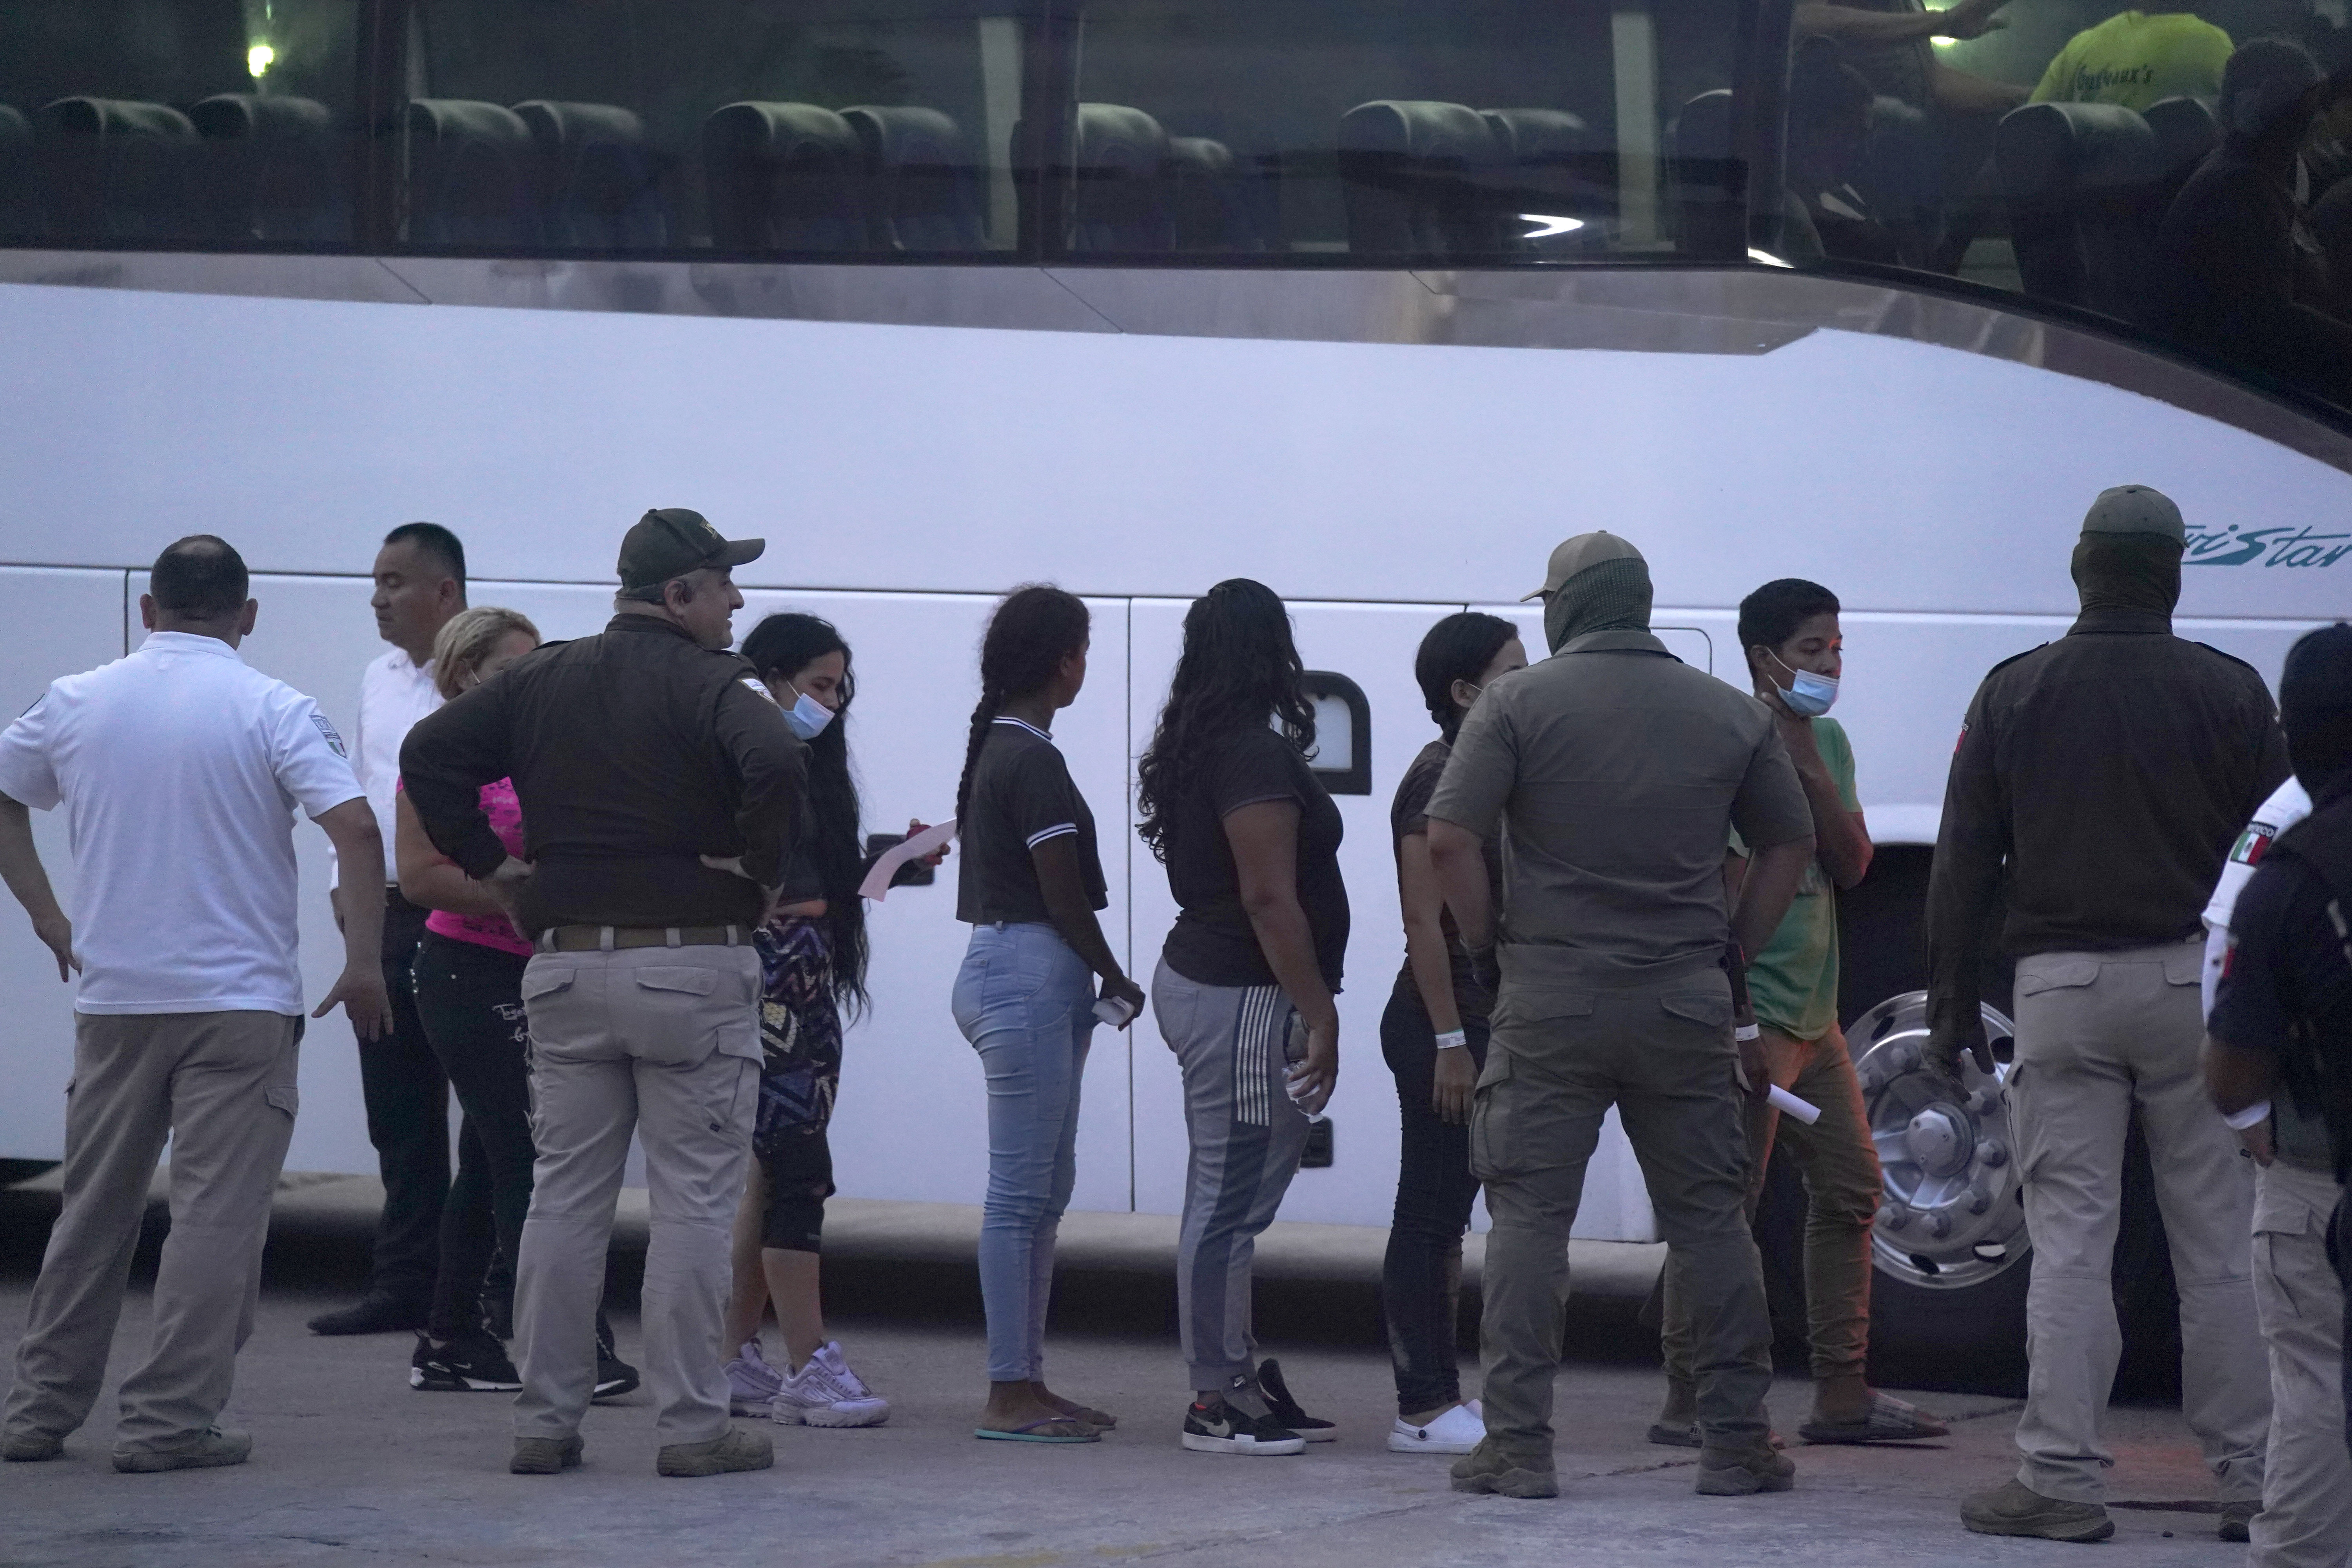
505 812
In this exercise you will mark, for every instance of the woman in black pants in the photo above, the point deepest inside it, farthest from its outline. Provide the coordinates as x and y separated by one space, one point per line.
1434 1035
469 998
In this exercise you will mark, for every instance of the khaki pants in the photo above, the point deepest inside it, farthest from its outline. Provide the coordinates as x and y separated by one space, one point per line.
665 1043
1840 1164
2099 1033
2307 1518
220 1085
1560 1056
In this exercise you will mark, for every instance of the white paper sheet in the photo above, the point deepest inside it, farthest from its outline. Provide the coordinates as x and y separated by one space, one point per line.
878 881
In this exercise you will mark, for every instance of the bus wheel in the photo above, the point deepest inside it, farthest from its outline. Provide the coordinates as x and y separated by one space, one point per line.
1951 1259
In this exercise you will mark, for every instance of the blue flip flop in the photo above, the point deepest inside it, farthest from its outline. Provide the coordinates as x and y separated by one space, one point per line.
1029 1432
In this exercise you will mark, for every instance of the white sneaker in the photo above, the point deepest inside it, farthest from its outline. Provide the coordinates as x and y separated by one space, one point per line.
751 1384
1455 1432
825 1393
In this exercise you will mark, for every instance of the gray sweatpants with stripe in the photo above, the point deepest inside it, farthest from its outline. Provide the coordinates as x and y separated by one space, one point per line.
1246 1137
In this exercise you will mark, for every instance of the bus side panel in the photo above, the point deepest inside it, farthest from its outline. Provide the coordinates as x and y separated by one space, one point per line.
68 621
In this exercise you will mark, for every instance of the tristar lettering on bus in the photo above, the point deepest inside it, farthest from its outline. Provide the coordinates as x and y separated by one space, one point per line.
2285 545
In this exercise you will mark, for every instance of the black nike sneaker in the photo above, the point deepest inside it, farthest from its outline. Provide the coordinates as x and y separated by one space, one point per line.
471 1364
614 1377
1285 1409
1220 1428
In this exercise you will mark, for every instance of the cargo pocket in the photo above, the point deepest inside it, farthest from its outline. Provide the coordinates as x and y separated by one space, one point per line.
2280 1228
2186 967
2037 977
1490 1118
1708 1009
1531 1020
285 1096
723 1008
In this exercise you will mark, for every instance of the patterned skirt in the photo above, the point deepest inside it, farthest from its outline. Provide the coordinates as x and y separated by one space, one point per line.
800 1032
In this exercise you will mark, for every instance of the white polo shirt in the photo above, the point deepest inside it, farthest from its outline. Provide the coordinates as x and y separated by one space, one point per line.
181 768
396 691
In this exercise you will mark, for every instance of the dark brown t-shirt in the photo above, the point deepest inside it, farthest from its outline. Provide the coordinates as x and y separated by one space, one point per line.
1409 814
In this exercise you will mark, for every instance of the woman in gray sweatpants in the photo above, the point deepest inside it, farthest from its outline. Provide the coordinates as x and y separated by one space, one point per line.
1244 991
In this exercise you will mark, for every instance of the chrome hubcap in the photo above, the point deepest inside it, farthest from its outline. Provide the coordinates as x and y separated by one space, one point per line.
1952 1214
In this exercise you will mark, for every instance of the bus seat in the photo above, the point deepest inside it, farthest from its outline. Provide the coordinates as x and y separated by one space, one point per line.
1549 163
116 169
1120 184
271 169
1416 176
2187 130
1705 182
597 181
20 202
783 176
2082 183
922 191
469 174
1211 199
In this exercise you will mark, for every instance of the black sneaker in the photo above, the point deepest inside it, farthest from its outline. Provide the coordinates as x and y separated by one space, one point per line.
614 1377
1285 1409
467 1365
1220 1428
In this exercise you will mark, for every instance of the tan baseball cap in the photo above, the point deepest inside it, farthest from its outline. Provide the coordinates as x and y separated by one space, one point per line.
1574 556
2136 509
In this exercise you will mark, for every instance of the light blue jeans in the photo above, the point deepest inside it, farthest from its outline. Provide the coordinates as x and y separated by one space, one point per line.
1026 1004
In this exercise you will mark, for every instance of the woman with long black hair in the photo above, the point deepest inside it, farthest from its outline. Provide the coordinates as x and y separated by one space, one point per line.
812 966
1031 881
1245 987
1434 1035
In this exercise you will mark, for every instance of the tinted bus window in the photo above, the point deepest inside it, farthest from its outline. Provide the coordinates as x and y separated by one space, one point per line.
2186 173
742 126
176 121
1486 129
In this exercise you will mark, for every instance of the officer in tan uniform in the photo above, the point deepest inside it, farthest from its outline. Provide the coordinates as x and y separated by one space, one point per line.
1615 773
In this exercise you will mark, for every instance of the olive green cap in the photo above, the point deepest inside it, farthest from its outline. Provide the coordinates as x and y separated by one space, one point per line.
670 541
1574 556
2136 509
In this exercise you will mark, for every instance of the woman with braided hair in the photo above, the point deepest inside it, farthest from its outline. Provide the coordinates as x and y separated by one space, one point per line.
1030 885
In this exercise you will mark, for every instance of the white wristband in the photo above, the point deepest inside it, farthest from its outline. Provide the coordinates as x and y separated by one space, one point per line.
1746 1032
2254 1115
1453 1040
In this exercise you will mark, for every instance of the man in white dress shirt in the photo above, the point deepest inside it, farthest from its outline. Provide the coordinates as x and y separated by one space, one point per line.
180 768
420 583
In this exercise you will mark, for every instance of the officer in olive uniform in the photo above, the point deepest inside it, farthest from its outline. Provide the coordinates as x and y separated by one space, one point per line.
661 794
2098 783
1616 773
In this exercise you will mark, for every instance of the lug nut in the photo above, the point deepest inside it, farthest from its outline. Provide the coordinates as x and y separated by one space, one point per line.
1940 1224
1993 1153
1906 1057
1894 1217
1980 1198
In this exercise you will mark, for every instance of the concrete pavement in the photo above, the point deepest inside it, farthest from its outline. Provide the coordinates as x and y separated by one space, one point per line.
352 1465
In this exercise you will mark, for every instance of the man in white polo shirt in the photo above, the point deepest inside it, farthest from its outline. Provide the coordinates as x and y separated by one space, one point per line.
420 583
180 768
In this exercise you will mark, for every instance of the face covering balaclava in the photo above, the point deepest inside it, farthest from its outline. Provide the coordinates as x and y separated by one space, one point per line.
2315 710
2128 558
1594 583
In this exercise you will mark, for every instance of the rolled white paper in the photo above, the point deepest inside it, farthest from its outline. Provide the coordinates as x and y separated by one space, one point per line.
1788 1104
878 881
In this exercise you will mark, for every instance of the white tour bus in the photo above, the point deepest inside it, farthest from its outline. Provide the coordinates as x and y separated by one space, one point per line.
1373 301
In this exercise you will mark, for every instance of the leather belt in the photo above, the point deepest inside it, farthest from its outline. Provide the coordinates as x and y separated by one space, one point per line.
611 939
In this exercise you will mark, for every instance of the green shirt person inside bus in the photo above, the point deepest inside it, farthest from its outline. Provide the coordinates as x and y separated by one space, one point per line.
1795 655
2137 58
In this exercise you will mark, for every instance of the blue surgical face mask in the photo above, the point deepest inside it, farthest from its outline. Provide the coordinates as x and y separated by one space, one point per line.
1808 692
807 716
